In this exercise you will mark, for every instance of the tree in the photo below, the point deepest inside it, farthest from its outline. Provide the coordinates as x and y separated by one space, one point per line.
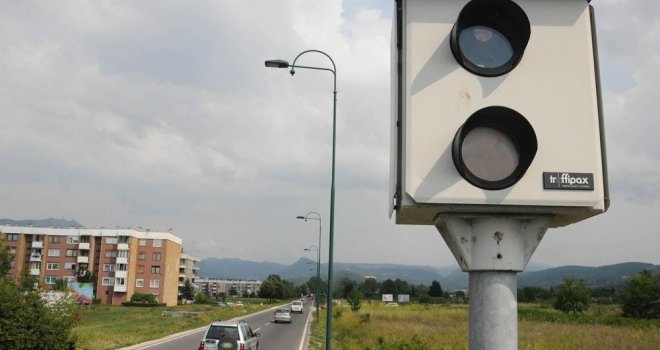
187 291
369 287
274 287
572 296
344 287
5 259
641 297
388 287
61 285
435 290
354 298
25 319
401 287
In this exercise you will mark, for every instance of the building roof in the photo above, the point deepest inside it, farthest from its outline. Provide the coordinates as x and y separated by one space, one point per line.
104 232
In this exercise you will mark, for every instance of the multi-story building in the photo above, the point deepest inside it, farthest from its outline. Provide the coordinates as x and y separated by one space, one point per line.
126 261
188 270
215 287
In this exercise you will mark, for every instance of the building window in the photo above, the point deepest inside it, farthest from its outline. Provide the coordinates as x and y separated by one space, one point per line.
12 237
51 279
111 240
154 283
53 252
140 269
108 281
139 282
69 266
52 266
155 270
71 252
155 257
158 243
141 256
111 254
122 253
54 239
122 267
69 279
142 242
108 267
72 240
119 281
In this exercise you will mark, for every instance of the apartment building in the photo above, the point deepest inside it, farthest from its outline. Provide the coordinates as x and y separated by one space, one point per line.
126 261
188 270
214 287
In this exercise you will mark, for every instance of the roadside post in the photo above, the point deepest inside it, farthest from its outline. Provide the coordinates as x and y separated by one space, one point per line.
497 135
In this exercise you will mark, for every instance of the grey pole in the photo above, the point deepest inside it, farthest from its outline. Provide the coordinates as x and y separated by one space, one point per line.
493 310
492 249
331 231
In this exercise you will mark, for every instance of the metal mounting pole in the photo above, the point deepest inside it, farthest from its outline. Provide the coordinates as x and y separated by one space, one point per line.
493 249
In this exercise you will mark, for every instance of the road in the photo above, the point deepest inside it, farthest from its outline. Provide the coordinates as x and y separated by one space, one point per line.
274 336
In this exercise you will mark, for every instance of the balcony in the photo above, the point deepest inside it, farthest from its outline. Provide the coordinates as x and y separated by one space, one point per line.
121 288
122 246
35 272
37 244
122 260
182 275
35 257
121 274
83 259
83 246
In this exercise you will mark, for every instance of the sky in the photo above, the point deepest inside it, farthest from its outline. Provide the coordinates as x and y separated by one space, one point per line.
161 114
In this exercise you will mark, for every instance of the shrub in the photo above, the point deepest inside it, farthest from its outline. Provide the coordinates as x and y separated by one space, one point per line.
145 298
355 299
201 298
641 297
572 296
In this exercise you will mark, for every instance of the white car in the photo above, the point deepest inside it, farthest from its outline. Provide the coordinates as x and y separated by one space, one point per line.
282 315
297 306
229 335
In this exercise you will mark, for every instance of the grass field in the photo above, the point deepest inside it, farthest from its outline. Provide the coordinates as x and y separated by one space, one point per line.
112 327
426 327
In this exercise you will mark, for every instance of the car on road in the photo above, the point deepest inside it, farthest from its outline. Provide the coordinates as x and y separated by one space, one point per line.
229 335
282 315
297 306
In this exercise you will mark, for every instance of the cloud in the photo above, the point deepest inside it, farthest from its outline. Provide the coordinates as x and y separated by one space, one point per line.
161 114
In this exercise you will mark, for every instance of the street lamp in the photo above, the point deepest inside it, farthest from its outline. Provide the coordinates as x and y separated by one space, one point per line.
285 64
318 260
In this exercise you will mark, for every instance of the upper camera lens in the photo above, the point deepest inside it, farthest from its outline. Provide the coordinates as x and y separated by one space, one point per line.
485 47
489 37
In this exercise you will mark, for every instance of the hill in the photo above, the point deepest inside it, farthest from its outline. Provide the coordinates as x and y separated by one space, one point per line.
42 223
449 278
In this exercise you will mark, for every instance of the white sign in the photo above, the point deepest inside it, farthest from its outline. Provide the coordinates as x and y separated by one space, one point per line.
404 298
388 297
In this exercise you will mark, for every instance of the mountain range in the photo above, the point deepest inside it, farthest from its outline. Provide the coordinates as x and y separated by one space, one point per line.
42 223
450 278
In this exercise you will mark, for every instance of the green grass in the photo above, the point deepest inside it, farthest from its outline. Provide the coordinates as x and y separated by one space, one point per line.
431 327
112 327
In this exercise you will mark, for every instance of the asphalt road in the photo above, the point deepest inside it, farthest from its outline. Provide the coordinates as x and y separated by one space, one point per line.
273 336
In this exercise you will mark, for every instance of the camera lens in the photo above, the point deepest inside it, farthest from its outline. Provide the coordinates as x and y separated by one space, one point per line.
485 47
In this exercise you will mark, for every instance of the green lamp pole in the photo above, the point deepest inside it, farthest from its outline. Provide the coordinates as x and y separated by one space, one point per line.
318 259
285 64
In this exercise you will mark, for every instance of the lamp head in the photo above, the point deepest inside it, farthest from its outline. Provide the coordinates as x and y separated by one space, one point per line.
277 64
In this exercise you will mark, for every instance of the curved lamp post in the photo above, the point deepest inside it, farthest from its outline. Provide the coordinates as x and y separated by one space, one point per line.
293 66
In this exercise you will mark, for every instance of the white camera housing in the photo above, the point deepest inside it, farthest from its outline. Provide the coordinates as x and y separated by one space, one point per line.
555 86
